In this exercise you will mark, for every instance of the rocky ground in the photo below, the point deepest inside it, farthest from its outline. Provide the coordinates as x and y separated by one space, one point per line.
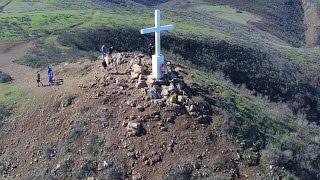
109 125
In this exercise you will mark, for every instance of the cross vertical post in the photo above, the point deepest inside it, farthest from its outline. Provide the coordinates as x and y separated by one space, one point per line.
158 58
157 33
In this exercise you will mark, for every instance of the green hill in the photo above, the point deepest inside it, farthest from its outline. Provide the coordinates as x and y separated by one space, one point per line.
260 46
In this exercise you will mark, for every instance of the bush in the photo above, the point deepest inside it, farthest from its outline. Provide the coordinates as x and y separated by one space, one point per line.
305 98
116 168
87 169
6 110
95 144
5 78
178 172
66 166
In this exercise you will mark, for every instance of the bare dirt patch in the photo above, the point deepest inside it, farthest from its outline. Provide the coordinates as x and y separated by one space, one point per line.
312 21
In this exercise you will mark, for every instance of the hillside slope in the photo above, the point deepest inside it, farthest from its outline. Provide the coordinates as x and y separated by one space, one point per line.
249 107
93 127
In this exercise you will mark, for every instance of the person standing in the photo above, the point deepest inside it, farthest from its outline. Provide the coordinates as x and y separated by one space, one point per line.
103 51
104 67
118 62
110 55
150 50
110 51
50 76
39 79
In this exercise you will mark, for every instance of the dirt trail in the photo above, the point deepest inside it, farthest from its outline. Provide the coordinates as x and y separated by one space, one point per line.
311 20
22 75
5 5
25 76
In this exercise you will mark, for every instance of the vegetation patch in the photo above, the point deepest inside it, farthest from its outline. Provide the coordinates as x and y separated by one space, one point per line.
256 124
47 52
30 25
226 13
10 95
95 144
83 71
280 18
5 78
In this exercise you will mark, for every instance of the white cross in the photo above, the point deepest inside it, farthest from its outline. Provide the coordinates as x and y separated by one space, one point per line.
157 59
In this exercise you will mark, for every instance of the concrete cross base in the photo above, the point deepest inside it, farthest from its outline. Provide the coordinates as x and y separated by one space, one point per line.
157 62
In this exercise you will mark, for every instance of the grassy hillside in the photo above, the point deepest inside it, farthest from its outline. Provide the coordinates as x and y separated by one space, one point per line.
14 101
257 45
260 125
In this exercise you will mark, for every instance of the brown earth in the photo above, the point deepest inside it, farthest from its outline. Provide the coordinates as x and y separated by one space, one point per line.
312 21
77 130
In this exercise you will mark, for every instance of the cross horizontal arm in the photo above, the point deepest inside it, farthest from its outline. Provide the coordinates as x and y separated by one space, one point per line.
148 30
167 28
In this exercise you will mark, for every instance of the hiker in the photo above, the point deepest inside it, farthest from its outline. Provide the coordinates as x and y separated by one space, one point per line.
163 69
110 51
39 79
170 70
109 57
103 51
118 62
104 66
50 76
150 50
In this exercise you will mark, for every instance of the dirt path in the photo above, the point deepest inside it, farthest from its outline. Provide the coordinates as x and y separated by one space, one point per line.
5 5
23 75
311 20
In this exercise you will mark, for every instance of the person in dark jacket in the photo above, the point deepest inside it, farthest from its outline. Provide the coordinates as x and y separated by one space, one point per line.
39 79
150 50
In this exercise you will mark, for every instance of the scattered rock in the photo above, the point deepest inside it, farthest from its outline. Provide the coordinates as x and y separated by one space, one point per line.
141 84
136 176
124 124
191 110
136 71
165 91
134 128
131 103
155 159
204 119
173 99
141 108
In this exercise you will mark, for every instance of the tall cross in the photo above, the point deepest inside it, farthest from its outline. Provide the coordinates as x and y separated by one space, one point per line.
157 59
